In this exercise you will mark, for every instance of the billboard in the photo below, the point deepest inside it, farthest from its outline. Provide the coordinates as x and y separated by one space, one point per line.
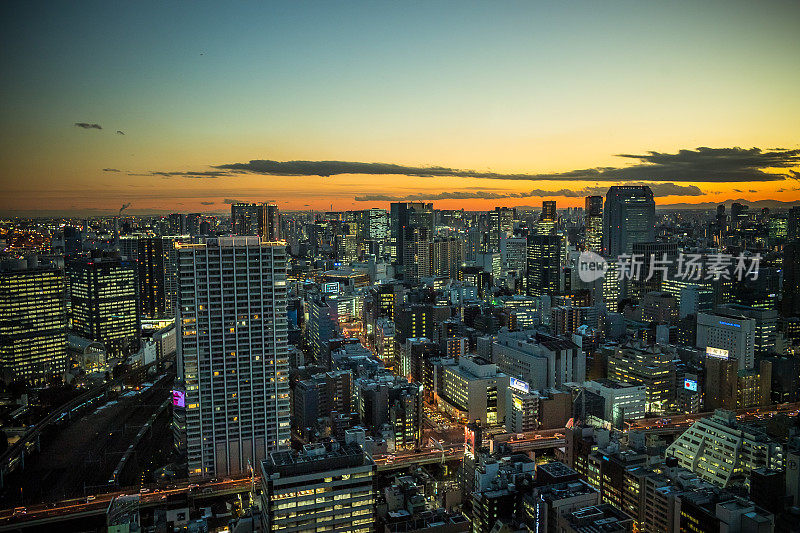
690 384
178 398
331 287
520 385
719 353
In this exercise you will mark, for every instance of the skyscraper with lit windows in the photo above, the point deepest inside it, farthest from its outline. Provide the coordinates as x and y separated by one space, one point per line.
105 308
33 321
233 357
593 213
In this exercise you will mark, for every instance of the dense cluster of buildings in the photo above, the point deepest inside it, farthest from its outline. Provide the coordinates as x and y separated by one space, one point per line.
313 348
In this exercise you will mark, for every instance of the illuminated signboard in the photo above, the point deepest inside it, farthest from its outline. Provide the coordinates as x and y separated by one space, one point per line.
178 398
332 287
520 385
690 384
719 353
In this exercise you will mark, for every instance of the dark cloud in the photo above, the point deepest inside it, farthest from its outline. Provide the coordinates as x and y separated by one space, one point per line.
120 132
231 201
738 190
659 189
700 165
207 203
89 126
111 170
198 174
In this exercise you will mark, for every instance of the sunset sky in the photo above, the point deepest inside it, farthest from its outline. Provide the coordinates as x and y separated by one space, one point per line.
187 106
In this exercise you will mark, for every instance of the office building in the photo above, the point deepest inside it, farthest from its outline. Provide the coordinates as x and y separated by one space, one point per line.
324 487
404 215
514 253
593 221
104 298
321 396
385 341
543 361
651 365
721 383
766 325
375 224
658 260
177 224
473 389
621 401
548 218
522 411
169 263
151 277
628 217
416 254
791 278
501 226
544 264
728 337
445 257
721 451
256 219
33 322
193 222
232 352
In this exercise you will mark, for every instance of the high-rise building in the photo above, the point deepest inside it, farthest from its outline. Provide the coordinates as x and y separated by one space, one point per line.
193 221
170 266
720 383
501 225
177 224
324 487
33 321
766 325
445 257
793 224
739 215
548 219
544 264
791 279
256 219
514 253
232 352
128 246
346 242
150 264
320 396
73 240
404 215
593 219
416 254
727 336
105 307
628 217
656 259
649 365
376 225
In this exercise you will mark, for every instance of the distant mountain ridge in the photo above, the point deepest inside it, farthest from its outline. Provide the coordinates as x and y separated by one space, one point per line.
759 204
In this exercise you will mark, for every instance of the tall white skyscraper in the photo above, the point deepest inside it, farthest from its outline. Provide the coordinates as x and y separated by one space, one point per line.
232 354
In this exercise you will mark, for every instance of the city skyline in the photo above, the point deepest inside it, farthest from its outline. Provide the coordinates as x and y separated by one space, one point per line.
177 109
